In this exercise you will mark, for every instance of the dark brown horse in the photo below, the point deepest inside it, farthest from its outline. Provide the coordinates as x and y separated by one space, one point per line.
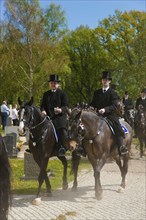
42 143
92 131
140 128
5 181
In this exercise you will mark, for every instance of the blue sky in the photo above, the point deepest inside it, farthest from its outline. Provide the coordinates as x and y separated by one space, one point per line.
89 12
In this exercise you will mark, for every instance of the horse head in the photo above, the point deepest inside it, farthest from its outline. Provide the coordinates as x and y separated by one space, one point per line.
24 111
82 125
75 128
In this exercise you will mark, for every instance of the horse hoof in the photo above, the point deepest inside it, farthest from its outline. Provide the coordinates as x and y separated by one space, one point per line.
36 201
120 190
98 196
74 189
48 194
65 187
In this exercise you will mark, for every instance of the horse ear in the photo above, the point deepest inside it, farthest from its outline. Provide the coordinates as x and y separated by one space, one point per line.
31 101
19 101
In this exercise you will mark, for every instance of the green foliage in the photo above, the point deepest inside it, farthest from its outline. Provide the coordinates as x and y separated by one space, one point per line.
35 43
21 186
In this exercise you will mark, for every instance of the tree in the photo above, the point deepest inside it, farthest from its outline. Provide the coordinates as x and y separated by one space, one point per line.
123 36
87 60
32 54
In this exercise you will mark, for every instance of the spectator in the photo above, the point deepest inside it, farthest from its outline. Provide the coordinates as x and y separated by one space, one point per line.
5 112
15 115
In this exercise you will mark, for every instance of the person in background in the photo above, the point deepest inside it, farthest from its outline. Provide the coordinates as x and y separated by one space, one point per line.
5 112
105 102
128 104
54 104
15 115
141 101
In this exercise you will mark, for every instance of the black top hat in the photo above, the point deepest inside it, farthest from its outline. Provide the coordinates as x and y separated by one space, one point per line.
143 90
106 75
54 78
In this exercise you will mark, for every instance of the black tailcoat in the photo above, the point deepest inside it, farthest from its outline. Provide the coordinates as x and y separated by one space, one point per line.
52 100
108 101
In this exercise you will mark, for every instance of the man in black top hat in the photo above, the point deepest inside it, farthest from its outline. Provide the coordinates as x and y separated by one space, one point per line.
105 102
141 101
128 104
54 104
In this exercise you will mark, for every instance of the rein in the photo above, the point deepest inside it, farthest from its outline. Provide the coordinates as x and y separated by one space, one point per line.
81 130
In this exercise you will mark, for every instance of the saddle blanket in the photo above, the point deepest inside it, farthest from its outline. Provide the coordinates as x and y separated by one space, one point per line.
112 130
124 129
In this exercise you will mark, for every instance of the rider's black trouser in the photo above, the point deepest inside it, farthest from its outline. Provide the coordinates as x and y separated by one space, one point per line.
62 137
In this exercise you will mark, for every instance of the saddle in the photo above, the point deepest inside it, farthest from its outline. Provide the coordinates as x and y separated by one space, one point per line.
110 124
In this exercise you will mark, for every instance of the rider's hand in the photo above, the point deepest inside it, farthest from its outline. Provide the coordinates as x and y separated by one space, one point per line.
57 110
44 113
101 111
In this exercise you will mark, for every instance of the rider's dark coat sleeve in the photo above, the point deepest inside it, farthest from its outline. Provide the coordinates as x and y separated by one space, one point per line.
52 100
107 100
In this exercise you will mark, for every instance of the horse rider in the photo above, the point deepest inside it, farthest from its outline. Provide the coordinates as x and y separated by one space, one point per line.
140 102
54 104
128 104
105 102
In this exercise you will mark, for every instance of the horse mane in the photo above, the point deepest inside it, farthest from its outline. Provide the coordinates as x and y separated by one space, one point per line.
5 183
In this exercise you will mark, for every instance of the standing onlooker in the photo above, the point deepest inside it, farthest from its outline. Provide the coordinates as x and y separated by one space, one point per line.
5 111
15 115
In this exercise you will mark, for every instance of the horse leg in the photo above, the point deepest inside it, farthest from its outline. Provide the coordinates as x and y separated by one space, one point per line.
97 166
64 163
123 169
141 147
75 165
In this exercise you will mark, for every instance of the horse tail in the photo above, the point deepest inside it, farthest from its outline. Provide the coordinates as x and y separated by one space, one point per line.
5 181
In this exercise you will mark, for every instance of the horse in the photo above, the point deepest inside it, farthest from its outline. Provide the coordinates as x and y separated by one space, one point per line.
140 128
129 115
42 143
92 131
5 181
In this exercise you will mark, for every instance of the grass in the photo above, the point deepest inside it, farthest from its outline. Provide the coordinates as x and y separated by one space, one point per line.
21 186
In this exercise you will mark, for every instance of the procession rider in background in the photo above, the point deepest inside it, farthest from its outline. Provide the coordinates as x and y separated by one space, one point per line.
128 104
54 104
105 102
140 102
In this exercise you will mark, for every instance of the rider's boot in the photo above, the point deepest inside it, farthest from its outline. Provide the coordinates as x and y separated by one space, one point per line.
122 148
